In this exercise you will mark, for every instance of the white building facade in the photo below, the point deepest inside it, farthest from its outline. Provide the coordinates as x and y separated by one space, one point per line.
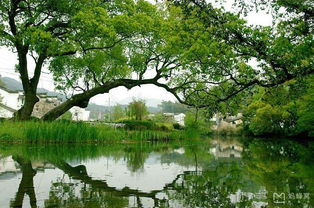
79 114
179 118
12 100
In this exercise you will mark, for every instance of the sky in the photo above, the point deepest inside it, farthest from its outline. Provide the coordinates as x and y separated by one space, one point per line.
121 95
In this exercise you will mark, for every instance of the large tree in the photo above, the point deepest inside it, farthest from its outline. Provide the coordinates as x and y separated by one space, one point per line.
89 46
137 109
199 53
40 29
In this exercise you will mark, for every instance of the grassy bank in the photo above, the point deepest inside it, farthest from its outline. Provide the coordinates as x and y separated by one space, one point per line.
71 132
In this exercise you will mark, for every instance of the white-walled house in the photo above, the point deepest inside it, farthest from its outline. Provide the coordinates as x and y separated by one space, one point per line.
12 100
179 118
45 104
6 112
79 114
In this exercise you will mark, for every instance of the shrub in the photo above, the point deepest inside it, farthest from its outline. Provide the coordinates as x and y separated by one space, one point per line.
177 126
139 125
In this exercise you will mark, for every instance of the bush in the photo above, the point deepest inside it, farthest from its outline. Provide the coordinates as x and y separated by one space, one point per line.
177 126
138 125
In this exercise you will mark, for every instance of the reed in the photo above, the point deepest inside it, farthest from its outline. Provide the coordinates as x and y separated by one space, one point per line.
76 132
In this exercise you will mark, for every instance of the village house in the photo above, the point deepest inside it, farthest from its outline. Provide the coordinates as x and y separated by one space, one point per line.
12 100
45 104
226 122
80 114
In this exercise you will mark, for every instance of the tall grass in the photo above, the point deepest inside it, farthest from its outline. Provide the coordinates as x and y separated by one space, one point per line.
72 132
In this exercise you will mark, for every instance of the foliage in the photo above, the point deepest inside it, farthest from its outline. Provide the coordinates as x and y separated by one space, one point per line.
137 109
118 112
162 118
67 116
138 124
197 121
177 126
285 110
227 57
202 54
2 84
145 125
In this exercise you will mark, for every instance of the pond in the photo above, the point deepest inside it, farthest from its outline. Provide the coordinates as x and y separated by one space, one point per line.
224 172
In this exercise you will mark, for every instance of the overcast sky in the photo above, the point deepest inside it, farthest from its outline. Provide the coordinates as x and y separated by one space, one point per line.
8 60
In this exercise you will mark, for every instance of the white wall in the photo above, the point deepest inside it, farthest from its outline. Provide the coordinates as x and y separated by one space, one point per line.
79 114
4 113
179 118
10 99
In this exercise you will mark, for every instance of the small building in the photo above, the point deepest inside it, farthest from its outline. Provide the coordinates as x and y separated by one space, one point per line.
45 104
79 114
179 118
6 112
226 122
13 99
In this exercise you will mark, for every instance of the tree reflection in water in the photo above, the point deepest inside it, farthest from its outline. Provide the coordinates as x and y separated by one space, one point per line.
222 173
26 185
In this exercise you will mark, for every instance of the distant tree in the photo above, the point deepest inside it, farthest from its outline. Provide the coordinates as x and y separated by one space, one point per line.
172 107
137 109
162 118
118 112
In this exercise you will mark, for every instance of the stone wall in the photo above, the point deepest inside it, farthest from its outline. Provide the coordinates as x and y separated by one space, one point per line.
44 105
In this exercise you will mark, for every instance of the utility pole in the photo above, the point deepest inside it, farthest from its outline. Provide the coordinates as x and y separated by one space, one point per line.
109 116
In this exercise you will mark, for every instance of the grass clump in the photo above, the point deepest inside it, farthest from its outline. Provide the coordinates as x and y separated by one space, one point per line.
76 132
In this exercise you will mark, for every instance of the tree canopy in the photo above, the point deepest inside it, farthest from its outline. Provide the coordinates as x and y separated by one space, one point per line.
202 54
226 56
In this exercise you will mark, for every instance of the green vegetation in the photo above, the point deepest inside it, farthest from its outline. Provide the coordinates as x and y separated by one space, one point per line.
197 123
118 113
207 57
201 53
66 116
70 132
137 110
284 110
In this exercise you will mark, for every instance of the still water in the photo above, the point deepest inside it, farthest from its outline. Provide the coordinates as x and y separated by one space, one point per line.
210 173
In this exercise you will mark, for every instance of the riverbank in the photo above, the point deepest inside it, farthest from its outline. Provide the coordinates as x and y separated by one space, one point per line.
78 132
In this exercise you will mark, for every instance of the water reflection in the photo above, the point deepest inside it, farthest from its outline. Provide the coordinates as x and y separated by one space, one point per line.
208 173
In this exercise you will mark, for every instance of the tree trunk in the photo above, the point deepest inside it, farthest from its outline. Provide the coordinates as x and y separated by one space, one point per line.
26 111
29 85
26 185
82 99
